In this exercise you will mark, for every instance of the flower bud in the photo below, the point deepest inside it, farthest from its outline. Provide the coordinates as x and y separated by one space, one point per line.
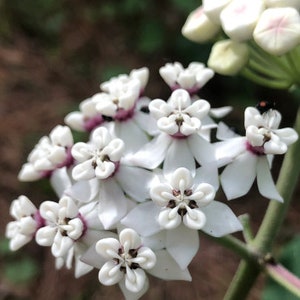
198 27
228 57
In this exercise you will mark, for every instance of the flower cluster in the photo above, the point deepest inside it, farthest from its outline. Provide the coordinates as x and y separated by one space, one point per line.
271 27
133 195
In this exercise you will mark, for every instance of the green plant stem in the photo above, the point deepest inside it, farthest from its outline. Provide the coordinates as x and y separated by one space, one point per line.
288 178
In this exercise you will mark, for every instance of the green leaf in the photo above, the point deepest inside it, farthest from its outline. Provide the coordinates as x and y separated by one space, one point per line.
290 258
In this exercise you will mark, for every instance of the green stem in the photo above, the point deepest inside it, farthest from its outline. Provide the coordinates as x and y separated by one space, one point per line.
271 224
286 183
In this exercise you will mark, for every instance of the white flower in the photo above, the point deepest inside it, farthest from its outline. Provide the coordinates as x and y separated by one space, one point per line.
50 153
239 18
99 158
126 259
193 78
250 157
181 202
228 57
179 218
198 27
27 221
141 75
87 118
180 142
64 225
213 9
278 30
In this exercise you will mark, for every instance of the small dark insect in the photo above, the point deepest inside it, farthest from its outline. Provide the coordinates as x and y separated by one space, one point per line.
263 106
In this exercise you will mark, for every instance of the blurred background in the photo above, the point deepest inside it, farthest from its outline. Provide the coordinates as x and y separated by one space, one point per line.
53 55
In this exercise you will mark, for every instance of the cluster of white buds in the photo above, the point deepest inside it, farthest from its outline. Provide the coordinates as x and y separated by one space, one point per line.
148 173
273 26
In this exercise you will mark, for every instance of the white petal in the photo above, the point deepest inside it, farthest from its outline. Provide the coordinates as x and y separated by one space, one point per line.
202 150
152 154
143 219
208 173
156 241
220 112
132 135
182 243
134 181
112 203
84 191
238 177
220 220
178 155
166 268
265 181
60 181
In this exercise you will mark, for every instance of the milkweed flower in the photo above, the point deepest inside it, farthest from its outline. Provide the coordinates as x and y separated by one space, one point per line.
52 152
192 78
180 124
250 157
183 203
27 221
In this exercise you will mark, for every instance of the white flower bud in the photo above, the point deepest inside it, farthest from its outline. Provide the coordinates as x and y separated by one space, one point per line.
239 18
213 9
228 57
278 30
283 3
198 27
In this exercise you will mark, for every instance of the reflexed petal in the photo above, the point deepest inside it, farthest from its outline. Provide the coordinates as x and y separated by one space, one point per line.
60 181
110 273
238 177
178 155
152 154
220 112
132 135
201 149
156 241
166 268
182 243
127 178
84 191
112 203
143 219
220 220
265 181
207 173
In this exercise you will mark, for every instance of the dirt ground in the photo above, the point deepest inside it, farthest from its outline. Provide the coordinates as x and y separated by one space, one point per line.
36 91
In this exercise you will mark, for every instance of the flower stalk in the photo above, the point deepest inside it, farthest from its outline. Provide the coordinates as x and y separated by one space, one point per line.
248 271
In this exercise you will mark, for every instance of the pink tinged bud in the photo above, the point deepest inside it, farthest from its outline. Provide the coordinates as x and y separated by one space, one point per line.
198 27
278 30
